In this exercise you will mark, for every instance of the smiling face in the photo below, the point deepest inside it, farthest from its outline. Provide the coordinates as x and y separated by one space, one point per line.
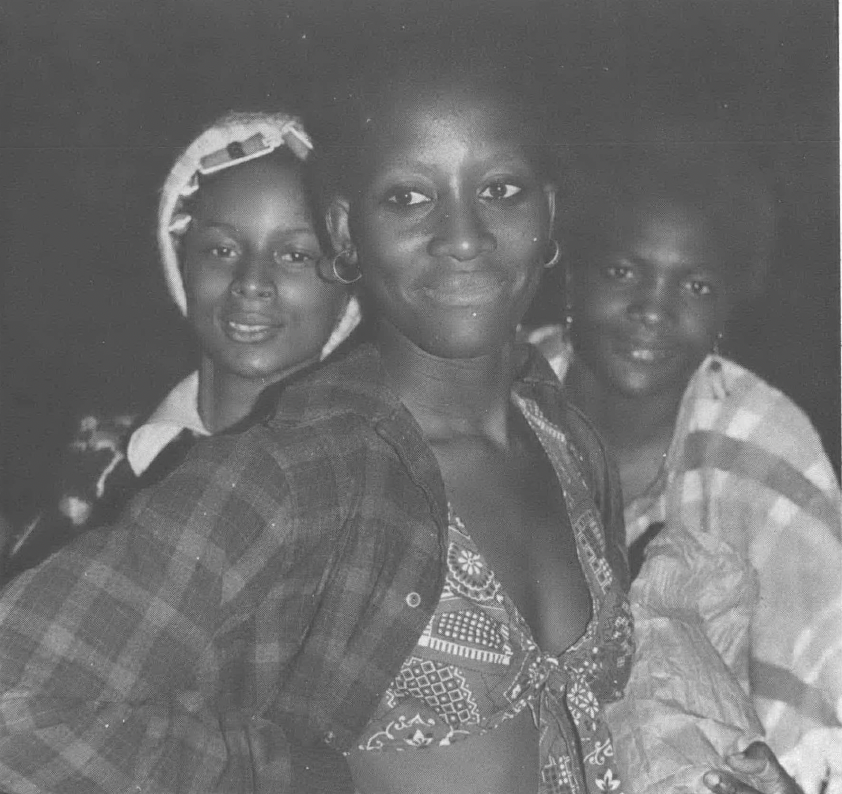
254 296
649 301
450 220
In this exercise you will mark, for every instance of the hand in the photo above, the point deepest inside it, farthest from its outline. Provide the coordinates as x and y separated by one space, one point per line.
760 763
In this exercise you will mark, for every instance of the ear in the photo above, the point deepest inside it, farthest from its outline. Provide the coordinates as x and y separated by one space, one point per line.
338 227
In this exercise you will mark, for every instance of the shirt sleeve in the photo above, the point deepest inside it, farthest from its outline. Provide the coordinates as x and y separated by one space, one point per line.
122 666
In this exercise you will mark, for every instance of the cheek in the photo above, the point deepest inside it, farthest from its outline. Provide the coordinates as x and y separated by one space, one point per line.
204 286
592 301
316 302
381 243
524 231
702 321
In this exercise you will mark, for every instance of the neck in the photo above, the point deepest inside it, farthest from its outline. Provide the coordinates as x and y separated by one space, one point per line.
450 397
626 422
226 398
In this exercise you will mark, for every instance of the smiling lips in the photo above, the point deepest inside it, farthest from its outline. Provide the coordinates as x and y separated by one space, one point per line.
645 349
645 352
250 330
465 289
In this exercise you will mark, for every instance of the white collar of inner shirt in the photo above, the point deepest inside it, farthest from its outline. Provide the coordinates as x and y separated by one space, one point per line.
178 412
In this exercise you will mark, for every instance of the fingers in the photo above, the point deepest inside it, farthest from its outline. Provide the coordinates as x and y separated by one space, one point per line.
725 783
758 761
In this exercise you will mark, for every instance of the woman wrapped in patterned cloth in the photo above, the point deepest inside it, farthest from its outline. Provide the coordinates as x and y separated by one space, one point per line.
723 476
407 575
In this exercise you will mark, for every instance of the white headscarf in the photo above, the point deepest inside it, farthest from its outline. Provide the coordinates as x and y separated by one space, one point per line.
229 141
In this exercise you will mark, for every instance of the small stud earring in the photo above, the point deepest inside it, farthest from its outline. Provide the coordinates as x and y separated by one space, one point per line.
567 322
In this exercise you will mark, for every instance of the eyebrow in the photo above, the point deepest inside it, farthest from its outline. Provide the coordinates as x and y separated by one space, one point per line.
228 227
510 159
695 265
217 225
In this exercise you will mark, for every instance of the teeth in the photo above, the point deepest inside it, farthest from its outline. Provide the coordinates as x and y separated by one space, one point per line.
248 329
643 355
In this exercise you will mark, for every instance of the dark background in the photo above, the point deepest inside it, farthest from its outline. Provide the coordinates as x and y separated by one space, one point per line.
100 94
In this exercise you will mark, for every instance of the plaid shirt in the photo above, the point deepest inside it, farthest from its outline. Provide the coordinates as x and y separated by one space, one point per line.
235 630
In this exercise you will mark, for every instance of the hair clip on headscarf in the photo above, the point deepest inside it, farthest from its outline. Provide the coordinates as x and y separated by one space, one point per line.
234 153
238 152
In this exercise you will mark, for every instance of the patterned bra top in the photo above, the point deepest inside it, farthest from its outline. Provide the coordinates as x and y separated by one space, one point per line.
477 665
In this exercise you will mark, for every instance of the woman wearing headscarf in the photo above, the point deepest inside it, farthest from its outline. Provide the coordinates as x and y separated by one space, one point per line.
243 264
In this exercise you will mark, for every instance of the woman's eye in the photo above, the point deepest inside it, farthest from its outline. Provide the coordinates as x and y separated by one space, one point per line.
500 190
619 272
295 257
700 288
406 197
222 251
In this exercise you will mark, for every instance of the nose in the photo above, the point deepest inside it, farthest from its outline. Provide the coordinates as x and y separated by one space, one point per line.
461 234
653 302
253 278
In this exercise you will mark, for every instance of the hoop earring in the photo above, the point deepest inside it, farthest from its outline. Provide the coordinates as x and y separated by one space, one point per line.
556 257
341 279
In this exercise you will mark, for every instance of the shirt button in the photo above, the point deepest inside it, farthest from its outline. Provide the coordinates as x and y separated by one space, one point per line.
413 600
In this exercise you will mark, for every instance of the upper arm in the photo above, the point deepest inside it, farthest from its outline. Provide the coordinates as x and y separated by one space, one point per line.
147 652
127 608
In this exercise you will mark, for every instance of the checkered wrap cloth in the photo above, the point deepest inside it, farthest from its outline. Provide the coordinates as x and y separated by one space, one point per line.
751 549
746 467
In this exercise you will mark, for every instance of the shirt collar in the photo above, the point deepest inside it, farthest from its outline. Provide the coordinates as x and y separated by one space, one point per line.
178 412
356 382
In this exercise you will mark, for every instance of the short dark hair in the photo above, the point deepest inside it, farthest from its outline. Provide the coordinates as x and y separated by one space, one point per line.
723 181
345 106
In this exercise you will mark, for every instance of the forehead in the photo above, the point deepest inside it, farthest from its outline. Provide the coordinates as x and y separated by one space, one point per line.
263 184
444 128
662 225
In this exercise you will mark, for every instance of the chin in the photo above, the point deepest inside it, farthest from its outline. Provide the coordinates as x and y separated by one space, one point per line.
637 385
464 343
635 389
267 371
